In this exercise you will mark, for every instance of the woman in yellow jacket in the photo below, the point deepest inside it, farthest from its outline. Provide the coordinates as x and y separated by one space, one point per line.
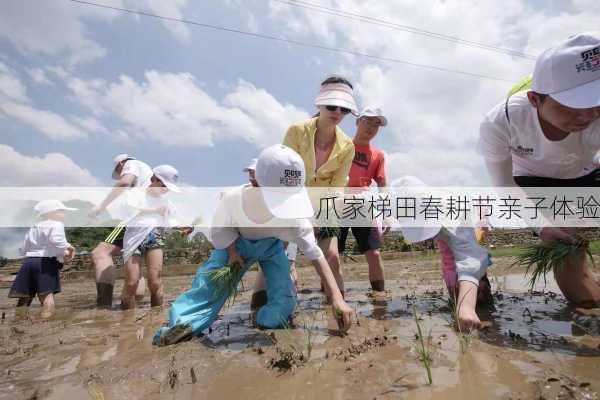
327 153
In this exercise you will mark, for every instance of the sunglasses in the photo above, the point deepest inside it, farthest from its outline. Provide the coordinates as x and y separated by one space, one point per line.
343 110
155 179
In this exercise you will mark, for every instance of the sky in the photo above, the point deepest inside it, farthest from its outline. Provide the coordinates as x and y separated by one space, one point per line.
80 84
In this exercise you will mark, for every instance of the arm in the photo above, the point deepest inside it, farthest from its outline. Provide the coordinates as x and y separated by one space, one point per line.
341 309
304 237
501 174
118 189
381 181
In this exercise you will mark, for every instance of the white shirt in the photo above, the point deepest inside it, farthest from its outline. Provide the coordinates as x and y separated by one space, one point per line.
230 222
140 170
532 154
139 224
470 257
46 239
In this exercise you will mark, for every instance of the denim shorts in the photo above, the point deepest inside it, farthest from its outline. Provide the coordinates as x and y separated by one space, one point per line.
154 240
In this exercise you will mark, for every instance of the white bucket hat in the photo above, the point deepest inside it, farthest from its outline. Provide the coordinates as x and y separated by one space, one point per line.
117 160
337 94
281 178
412 187
373 112
168 175
51 205
570 71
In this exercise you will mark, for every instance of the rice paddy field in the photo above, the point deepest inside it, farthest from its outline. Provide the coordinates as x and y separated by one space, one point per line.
534 345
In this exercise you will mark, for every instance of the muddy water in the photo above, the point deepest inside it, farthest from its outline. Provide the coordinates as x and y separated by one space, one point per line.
536 346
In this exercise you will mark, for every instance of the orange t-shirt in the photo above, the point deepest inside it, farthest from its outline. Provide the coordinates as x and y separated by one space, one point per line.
367 166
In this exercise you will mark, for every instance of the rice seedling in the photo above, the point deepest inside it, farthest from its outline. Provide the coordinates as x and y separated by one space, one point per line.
225 280
541 258
422 350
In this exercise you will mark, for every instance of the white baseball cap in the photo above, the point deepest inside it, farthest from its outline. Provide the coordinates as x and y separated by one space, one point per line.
281 177
51 205
251 165
570 71
337 94
117 160
168 175
373 112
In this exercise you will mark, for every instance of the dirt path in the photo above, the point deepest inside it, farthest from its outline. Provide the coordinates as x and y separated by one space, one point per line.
535 347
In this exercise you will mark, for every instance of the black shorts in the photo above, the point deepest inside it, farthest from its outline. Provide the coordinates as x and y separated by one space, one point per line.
590 180
116 236
38 275
367 238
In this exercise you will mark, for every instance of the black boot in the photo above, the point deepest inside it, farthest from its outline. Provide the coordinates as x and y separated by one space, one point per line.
378 286
258 300
105 295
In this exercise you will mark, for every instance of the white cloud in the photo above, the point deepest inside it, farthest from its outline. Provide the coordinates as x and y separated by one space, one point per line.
51 28
10 85
52 169
39 76
15 104
173 9
60 28
434 116
174 109
53 125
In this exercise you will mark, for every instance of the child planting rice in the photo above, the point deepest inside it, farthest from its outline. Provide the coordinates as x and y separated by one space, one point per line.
45 248
464 260
250 225
153 213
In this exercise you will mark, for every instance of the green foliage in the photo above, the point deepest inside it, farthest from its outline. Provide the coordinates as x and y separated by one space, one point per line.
225 280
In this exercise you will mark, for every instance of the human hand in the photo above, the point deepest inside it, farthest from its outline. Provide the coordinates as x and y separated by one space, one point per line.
343 314
95 211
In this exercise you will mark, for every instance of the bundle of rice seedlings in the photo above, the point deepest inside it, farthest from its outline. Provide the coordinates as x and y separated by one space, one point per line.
541 258
225 280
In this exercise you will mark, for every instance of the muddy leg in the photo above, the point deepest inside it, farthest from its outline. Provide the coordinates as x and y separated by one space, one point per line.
132 276
24 301
104 269
154 260
47 301
376 276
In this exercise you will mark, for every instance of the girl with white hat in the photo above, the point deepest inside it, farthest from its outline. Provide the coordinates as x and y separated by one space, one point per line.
152 214
46 249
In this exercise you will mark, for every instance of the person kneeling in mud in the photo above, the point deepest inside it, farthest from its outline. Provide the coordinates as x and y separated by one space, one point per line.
45 248
464 260
250 225
152 215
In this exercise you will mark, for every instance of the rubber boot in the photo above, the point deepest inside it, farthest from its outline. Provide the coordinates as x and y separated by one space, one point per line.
105 295
378 286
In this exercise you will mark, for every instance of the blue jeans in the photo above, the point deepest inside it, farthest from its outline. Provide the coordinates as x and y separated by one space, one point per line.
199 306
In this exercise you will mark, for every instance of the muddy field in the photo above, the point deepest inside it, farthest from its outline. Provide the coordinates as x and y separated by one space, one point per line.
536 346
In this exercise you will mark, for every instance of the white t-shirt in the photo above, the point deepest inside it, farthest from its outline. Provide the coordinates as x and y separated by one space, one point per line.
140 170
532 154
230 222
140 224
46 239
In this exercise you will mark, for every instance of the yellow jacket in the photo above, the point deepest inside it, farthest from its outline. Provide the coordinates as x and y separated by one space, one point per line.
334 173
